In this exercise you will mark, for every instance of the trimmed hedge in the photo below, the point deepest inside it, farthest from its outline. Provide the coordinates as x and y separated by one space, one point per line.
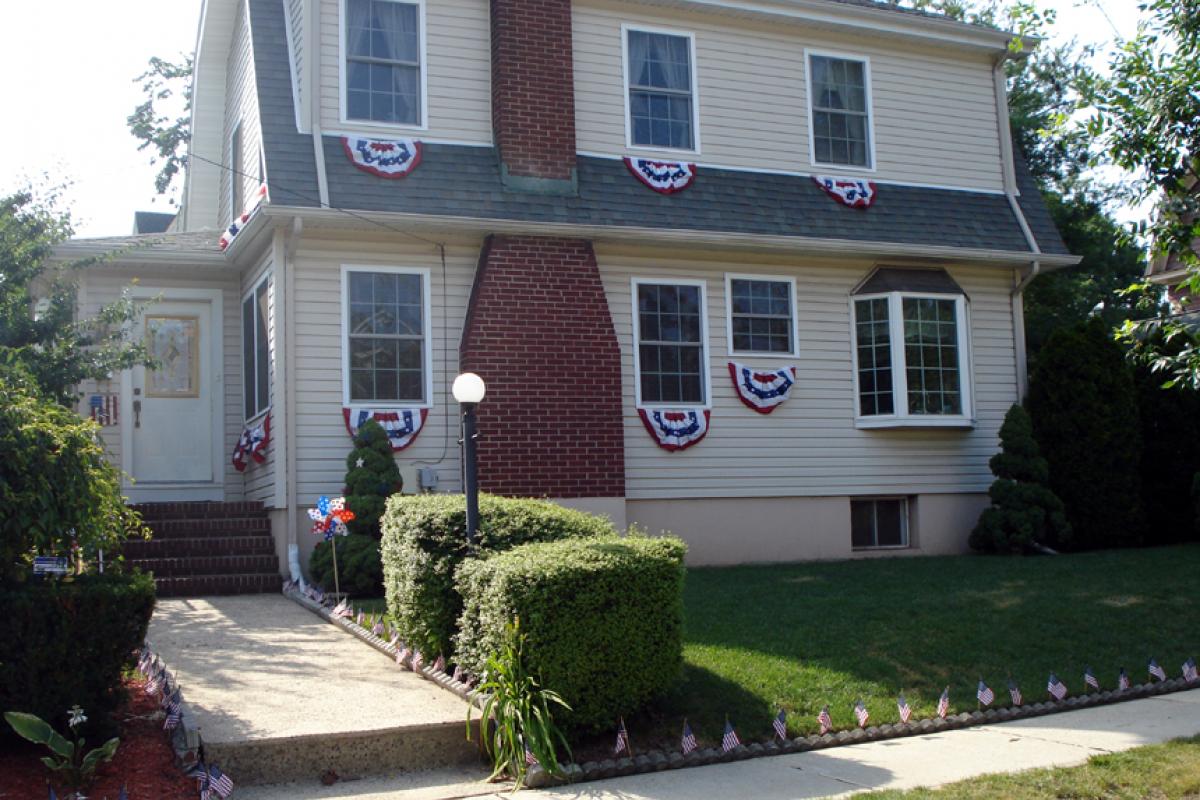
66 643
425 539
360 572
603 619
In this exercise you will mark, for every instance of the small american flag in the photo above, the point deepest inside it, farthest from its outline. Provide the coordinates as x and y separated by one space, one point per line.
1189 670
377 628
1055 687
458 672
530 758
418 661
154 684
905 709
1122 680
730 739
287 585
143 662
199 771
220 782
123 794
439 664
164 699
1015 693
1089 678
780 724
358 619
395 638
943 706
860 713
402 655
53 796
984 694
319 595
1156 671
622 738
688 741
824 720
174 712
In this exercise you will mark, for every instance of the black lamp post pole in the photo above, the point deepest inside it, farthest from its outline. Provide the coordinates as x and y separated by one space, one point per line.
470 472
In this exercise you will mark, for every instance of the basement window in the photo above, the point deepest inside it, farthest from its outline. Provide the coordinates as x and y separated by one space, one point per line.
879 523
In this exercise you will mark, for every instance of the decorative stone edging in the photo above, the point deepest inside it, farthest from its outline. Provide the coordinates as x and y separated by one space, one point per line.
659 760
185 737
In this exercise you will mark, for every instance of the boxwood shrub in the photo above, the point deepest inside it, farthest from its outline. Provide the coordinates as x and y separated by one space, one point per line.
66 643
603 617
425 539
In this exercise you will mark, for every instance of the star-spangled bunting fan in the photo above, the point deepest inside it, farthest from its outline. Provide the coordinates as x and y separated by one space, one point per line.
730 739
622 739
780 724
401 425
1089 679
943 706
1015 693
860 713
904 708
383 158
853 192
1189 670
687 742
664 177
220 782
1055 687
675 429
824 720
984 694
1122 680
762 390
1156 671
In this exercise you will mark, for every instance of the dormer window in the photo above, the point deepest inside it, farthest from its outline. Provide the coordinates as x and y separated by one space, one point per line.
383 50
839 92
660 78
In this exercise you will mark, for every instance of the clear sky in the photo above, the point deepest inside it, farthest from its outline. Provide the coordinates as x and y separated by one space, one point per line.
66 86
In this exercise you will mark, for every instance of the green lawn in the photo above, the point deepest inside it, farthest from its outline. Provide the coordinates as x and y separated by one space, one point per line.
1165 771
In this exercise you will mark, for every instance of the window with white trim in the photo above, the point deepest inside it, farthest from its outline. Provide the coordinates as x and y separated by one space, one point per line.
879 522
839 103
761 315
387 336
671 354
661 91
256 350
383 61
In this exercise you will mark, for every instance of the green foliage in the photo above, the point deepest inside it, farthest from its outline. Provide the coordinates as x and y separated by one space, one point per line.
75 767
1024 511
1170 432
603 619
1085 419
360 572
368 487
518 710
58 489
425 539
65 643
165 133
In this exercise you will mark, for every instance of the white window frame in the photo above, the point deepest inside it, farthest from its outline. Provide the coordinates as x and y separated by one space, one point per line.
264 278
342 75
900 418
812 136
626 27
794 350
906 517
427 337
235 172
706 377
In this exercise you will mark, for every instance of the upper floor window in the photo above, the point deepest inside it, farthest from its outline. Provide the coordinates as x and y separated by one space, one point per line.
661 87
840 111
383 51
386 349
669 330
256 386
761 315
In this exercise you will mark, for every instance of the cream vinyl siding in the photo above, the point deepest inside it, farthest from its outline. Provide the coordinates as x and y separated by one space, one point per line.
934 112
259 479
322 441
457 69
809 446
241 107
295 21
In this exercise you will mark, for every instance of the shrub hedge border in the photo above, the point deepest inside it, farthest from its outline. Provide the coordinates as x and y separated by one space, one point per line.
659 760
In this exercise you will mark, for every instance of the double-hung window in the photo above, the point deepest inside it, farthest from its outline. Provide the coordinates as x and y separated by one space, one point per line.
840 111
911 350
387 332
256 353
383 49
762 318
670 330
661 90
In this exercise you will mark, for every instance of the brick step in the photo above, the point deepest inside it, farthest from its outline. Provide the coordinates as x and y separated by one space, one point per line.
198 510
186 547
206 565
198 585
221 526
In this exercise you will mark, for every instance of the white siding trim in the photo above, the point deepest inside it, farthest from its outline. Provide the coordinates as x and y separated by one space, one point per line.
626 27
291 46
794 351
812 139
705 367
381 126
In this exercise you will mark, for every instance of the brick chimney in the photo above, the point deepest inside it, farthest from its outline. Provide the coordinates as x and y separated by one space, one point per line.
533 95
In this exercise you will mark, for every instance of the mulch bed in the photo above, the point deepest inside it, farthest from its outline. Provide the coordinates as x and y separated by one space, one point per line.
144 764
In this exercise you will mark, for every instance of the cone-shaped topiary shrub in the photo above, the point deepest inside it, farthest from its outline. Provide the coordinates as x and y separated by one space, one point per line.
1024 511
371 477
360 572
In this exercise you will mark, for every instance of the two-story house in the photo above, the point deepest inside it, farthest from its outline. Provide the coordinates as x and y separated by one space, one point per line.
747 270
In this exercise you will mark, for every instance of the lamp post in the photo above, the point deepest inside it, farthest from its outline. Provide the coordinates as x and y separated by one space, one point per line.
468 390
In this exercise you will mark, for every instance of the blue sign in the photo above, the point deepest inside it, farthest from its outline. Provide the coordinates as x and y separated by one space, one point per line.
50 565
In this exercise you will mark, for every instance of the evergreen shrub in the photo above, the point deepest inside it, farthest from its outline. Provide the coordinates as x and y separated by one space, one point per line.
368 487
360 572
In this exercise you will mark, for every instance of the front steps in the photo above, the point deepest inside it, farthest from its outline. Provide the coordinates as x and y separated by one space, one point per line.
207 549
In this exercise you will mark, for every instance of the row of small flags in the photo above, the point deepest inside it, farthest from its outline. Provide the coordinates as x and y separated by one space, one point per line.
124 795
212 782
983 694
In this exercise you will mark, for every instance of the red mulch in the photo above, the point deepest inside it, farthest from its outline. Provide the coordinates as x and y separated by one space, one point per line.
144 764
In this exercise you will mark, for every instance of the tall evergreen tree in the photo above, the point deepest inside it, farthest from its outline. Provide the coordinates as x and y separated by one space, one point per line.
371 477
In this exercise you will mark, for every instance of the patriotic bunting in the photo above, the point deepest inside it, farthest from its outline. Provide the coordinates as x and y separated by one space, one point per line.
852 192
239 224
253 442
664 177
402 424
675 429
762 390
383 158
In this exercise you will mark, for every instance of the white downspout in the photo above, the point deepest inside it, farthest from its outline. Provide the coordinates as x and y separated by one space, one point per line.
313 95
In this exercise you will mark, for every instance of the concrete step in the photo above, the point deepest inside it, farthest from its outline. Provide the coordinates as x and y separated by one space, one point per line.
181 547
207 565
196 527
203 585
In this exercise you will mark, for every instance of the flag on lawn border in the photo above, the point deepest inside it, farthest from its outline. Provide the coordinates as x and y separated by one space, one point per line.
154 684
1055 687
174 712
1189 670
219 781
358 619
124 793
458 672
439 664
418 661
905 709
395 640
1123 680
377 628
1089 678
687 743
199 771
622 738
1015 693
730 739
780 724
943 706
402 655
984 694
824 720
1156 671
530 758
860 713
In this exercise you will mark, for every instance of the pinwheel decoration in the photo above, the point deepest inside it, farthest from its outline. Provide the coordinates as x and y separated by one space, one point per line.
329 520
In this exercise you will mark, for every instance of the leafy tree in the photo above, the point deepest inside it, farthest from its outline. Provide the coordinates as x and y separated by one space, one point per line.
39 327
371 477
1024 511
165 83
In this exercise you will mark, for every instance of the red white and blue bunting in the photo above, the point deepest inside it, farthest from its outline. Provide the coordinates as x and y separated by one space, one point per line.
762 390
402 424
253 443
384 158
853 192
675 429
664 177
239 224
